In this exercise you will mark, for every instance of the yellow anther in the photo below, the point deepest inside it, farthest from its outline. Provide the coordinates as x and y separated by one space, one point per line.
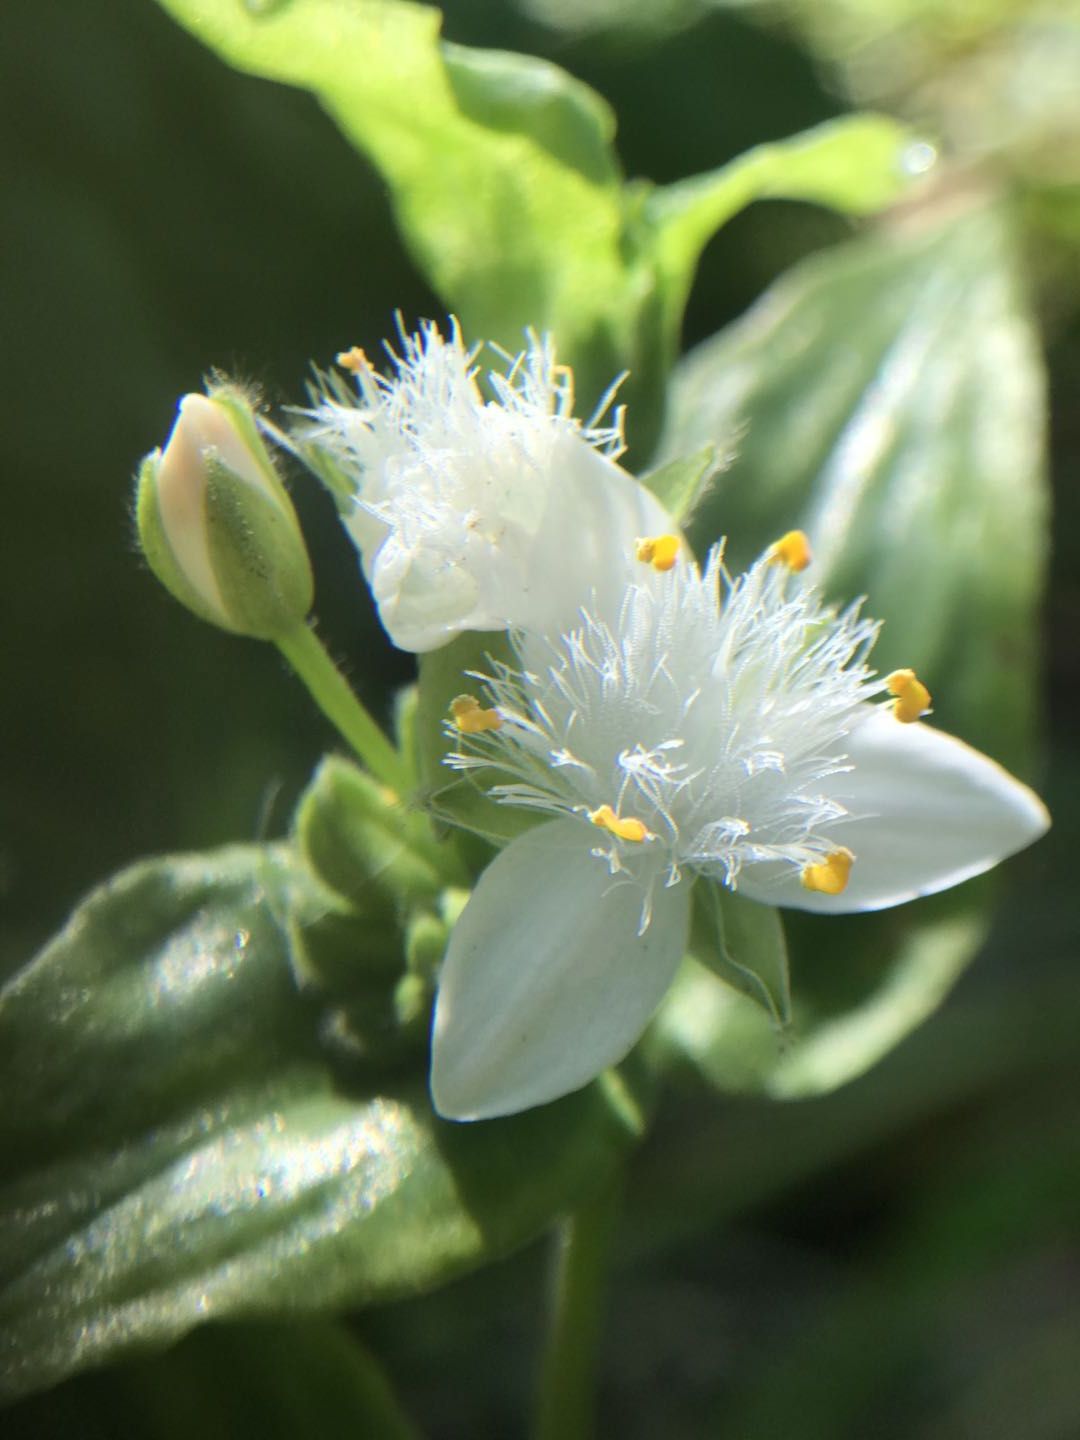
912 697
792 550
354 360
471 718
659 551
629 828
831 876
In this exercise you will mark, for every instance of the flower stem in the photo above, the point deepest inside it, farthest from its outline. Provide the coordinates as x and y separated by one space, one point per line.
566 1403
307 655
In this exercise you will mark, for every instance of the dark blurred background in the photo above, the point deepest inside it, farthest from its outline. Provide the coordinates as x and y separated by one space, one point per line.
901 1259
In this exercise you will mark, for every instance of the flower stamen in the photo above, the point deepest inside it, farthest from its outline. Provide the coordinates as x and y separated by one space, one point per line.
623 828
792 550
912 697
831 875
469 716
354 360
659 551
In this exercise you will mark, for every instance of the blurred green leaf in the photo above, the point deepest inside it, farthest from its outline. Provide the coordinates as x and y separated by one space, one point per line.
274 1381
506 184
179 1147
889 400
855 165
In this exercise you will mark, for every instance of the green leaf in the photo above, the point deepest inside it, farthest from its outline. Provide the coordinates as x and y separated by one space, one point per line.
743 944
506 186
495 162
890 400
855 165
182 1141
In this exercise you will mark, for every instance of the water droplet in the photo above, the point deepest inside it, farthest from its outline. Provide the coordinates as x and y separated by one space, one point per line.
918 157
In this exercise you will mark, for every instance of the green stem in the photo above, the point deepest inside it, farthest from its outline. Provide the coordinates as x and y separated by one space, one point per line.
566 1404
306 654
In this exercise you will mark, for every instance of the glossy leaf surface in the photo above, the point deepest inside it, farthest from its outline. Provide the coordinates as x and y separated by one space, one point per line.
182 1142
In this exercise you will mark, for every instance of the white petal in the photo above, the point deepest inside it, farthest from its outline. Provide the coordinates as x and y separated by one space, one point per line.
546 980
542 539
423 602
584 551
927 812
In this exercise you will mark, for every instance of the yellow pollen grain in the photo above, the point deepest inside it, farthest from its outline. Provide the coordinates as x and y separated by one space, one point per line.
659 551
629 828
354 360
831 876
792 550
912 697
471 718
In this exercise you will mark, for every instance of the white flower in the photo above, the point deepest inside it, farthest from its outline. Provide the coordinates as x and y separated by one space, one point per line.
722 728
474 514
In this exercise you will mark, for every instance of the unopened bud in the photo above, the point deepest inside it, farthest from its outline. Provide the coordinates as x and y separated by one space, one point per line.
216 524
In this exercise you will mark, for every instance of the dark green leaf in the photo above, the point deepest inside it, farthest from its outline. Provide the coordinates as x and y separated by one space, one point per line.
275 1381
179 1143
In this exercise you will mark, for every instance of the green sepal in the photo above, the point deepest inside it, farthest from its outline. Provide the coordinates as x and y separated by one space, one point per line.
238 406
681 485
340 486
451 799
444 673
463 805
258 556
743 943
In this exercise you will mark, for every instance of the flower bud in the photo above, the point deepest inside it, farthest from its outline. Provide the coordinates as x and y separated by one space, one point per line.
216 524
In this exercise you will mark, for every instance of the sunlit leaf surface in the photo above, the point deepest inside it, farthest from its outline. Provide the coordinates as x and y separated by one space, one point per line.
507 187
179 1146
